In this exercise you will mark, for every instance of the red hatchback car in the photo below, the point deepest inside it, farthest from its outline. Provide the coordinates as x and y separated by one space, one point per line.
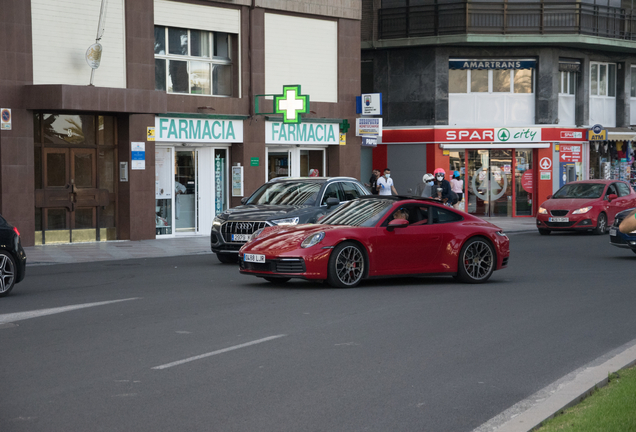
379 236
585 205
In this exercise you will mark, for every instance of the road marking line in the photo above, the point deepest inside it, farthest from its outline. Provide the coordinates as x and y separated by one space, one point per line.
19 316
221 351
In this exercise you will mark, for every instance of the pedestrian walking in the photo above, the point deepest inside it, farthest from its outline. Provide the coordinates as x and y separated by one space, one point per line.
457 186
373 182
385 184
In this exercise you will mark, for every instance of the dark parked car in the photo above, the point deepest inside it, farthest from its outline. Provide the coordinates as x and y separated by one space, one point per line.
281 201
12 257
619 239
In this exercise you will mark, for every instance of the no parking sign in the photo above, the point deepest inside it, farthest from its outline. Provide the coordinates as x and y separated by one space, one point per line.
5 115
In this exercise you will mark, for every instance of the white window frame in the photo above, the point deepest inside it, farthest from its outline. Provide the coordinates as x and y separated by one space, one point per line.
211 59
565 82
491 79
598 81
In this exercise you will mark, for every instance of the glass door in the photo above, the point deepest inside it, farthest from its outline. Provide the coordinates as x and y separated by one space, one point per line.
490 182
312 163
279 163
523 182
186 191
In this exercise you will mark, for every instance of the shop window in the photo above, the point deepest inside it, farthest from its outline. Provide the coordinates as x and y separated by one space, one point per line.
633 81
490 81
193 61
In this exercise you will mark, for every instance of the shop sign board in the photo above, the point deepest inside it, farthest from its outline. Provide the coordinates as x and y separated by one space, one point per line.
485 135
369 126
492 63
570 153
138 155
254 161
302 133
218 184
169 129
597 133
368 141
369 104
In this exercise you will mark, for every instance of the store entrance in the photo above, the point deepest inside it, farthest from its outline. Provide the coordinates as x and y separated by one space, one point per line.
499 182
295 162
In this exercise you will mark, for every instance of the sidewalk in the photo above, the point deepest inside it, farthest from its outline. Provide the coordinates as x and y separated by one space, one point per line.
125 249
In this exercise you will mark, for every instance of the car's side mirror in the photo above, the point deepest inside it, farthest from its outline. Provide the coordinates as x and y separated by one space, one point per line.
244 200
397 223
332 202
612 197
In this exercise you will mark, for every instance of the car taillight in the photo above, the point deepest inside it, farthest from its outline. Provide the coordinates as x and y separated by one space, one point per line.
16 231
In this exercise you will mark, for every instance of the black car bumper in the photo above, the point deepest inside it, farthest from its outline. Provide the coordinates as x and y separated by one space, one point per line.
621 240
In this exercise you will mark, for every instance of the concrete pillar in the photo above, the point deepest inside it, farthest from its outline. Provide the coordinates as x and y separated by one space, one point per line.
547 87
623 92
582 107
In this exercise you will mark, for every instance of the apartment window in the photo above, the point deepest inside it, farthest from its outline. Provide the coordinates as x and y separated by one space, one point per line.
490 80
568 82
192 61
602 79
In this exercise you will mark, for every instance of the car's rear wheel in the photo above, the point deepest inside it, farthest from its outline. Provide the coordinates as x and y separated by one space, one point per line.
476 261
601 224
544 231
346 265
7 273
227 258
277 279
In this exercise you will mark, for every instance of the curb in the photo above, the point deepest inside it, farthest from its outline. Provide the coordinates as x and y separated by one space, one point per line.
569 394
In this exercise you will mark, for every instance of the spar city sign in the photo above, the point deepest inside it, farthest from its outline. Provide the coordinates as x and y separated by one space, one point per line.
168 129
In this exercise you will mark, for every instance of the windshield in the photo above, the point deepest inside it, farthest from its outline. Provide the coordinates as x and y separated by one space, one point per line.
580 190
363 212
286 193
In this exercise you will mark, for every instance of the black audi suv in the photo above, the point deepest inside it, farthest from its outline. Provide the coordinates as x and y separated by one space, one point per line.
281 201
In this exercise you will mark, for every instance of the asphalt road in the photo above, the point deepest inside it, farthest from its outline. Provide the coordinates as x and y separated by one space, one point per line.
195 346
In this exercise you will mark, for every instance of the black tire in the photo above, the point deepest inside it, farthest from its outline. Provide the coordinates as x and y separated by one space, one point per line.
8 274
601 224
277 279
227 258
347 265
544 231
477 261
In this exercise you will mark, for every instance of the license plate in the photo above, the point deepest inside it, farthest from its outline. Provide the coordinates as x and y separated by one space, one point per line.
613 232
558 219
255 258
241 237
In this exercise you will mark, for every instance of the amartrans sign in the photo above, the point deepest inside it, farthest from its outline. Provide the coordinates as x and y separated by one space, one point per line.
302 133
169 129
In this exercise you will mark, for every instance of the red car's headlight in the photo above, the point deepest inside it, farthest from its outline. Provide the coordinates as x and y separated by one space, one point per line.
313 239
582 210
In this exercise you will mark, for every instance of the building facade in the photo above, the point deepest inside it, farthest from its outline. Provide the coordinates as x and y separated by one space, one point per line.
505 93
176 123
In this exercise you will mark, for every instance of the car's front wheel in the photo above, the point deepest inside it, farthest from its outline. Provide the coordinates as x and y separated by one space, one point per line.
346 265
7 273
227 258
601 224
476 261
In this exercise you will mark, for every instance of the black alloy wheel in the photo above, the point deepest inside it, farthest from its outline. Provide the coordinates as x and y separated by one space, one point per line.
7 273
601 224
476 261
346 266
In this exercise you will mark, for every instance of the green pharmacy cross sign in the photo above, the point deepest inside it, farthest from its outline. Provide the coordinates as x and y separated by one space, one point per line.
291 104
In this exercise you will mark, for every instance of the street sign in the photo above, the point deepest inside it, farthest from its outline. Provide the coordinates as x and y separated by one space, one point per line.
5 113
150 132
138 155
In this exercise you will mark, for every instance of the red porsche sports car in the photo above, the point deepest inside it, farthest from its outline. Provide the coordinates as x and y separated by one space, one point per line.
585 205
379 236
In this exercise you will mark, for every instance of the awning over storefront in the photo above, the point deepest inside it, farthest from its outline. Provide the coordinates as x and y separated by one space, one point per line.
620 134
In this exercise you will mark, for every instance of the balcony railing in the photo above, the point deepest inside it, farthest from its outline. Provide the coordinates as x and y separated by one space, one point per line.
507 18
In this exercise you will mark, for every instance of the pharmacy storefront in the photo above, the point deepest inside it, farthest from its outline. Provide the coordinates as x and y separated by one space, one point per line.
191 171
294 150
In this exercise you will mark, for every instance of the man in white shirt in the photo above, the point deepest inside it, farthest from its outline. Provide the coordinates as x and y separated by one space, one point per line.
385 184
